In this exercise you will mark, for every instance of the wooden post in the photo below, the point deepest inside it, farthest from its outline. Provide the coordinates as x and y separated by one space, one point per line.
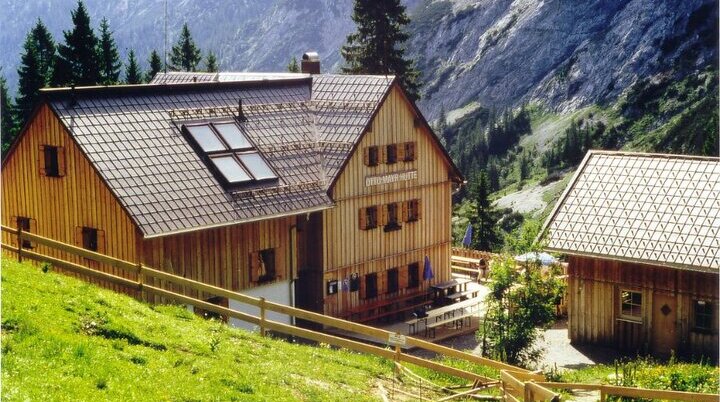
19 243
262 316
398 353
603 396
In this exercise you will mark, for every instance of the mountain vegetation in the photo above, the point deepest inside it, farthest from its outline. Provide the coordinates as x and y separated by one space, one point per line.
185 55
378 44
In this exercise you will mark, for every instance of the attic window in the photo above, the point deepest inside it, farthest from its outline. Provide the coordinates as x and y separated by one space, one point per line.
233 157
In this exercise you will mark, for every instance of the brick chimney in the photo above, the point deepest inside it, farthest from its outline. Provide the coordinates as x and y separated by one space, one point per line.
310 63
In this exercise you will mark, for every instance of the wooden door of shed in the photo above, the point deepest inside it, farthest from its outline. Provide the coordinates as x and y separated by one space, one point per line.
664 324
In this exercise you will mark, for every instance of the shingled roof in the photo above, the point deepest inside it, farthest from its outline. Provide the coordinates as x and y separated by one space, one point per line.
648 208
132 137
343 106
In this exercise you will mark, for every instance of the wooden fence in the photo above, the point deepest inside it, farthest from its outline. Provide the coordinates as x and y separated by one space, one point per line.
518 384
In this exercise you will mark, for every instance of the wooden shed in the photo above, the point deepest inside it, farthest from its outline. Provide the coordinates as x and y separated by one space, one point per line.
260 183
642 232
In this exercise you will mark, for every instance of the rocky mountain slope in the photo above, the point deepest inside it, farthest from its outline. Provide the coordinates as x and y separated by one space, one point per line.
565 53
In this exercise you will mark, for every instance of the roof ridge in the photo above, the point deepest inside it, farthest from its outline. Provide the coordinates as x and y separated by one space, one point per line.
652 155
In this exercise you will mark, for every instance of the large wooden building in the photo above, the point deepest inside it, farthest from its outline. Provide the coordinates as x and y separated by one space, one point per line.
324 191
642 232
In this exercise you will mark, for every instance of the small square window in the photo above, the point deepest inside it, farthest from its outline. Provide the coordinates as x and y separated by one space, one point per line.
392 280
393 222
90 239
391 152
370 286
413 275
52 165
371 156
23 223
631 305
267 265
703 310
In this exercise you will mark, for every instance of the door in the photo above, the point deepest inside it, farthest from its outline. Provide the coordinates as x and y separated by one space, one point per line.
664 324
308 287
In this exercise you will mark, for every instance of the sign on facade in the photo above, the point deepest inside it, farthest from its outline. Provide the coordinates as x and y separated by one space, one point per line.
388 178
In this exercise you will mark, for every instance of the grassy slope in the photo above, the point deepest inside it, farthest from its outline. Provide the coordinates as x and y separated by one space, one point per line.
66 340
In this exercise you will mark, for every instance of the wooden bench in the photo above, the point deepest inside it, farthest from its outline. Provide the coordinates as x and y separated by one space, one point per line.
472 293
442 313
457 321
393 306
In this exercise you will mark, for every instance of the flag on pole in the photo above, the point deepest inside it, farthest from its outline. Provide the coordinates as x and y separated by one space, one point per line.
468 236
427 272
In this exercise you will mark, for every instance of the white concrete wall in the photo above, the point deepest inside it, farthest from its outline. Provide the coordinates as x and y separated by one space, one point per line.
278 292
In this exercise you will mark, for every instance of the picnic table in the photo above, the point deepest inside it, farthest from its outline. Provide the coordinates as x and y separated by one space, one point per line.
440 314
443 289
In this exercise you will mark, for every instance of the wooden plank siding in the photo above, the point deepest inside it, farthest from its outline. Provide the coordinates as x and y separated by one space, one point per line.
59 205
348 249
594 287
221 256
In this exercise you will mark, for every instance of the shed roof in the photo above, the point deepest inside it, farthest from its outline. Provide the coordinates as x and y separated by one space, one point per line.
649 208
132 137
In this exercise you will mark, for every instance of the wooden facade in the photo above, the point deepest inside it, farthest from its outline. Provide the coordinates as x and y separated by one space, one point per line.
350 250
667 318
308 250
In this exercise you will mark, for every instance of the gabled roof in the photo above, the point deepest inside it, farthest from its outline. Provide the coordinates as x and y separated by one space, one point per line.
132 137
648 208
343 106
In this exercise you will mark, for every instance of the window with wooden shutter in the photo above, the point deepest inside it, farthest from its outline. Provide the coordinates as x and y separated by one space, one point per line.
392 217
408 151
391 156
371 285
413 274
49 159
370 156
368 218
412 210
267 262
27 225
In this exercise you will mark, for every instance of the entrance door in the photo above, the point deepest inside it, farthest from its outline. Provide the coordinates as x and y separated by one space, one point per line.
664 324
308 288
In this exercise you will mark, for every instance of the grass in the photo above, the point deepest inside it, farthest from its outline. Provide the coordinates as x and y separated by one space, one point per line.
64 339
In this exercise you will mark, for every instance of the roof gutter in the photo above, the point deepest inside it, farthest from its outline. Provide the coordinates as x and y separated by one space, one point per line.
238 222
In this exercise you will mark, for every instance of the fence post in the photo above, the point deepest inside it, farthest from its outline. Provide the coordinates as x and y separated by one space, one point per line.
398 354
603 396
262 316
19 243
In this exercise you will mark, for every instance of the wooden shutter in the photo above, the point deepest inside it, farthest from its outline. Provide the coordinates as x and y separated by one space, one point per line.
254 266
14 223
100 241
403 277
33 229
366 156
410 151
400 152
382 154
79 236
363 287
61 161
419 208
404 206
382 286
362 218
383 215
41 160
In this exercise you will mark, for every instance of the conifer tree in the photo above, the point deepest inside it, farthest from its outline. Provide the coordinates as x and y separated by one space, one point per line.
107 55
293 66
76 62
7 131
132 71
185 55
211 65
45 48
156 65
484 237
377 47
30 80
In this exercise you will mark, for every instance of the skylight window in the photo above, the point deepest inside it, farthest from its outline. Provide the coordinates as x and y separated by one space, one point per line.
229 154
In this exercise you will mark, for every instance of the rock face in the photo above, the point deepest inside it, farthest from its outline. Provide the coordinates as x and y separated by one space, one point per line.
563 53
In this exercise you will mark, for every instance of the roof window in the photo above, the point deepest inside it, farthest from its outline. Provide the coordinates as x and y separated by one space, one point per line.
233 157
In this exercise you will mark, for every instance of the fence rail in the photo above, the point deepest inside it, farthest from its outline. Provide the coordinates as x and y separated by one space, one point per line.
518 384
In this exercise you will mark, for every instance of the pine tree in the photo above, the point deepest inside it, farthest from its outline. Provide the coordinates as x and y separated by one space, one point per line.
185 54
211 65
156 65
293 66
30 80
377 45
7 131
76 62
107 55
132 71
485 236
45 48
441 126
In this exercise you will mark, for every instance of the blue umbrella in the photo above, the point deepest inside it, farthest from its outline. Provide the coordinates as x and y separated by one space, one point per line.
468 236
427 272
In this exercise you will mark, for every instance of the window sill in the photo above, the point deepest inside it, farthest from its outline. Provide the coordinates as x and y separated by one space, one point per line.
630 320
392 228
